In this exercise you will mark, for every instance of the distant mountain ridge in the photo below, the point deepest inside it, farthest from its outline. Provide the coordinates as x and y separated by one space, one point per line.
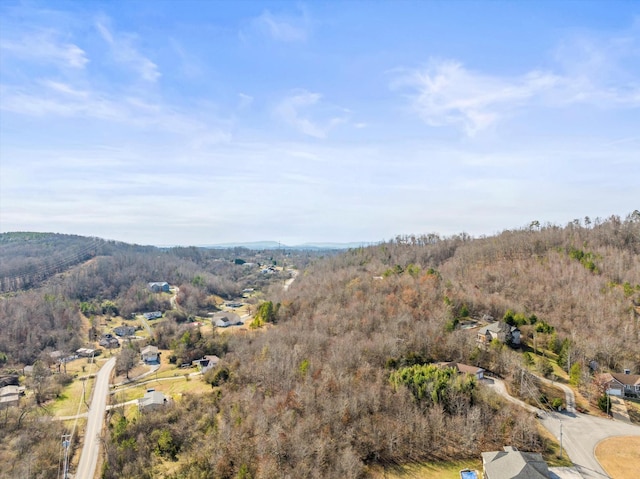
257 245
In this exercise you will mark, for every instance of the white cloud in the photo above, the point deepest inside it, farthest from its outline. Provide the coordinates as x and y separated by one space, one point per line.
446 93
65 88
46 46
123 51
283 28
56 99
292 110
593 70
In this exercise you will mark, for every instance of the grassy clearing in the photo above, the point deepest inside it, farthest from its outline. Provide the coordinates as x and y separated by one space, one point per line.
173 387
429 470
619 456
71 396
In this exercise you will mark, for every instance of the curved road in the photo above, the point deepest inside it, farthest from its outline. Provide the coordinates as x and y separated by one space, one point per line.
580 432
91 449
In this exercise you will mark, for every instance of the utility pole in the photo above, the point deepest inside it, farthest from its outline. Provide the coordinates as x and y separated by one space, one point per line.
560 439
66 442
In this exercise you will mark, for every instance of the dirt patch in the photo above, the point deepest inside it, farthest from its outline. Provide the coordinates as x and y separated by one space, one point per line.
619 456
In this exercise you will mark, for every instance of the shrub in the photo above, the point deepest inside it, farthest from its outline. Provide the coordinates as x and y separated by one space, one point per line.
604 403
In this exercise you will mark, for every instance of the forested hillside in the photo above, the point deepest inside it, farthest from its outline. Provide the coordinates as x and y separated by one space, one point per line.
109 278
343 382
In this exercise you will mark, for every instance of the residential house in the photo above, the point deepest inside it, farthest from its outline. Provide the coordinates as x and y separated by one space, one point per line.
463 368
10 396
225 319
109 341
621 384
501 331
513 464
150 354
86 352
159 287
206 363
152 400
124 331
152 315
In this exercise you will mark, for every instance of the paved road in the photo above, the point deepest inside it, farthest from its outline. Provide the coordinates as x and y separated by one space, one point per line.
580 435
498 386
91 449
580 432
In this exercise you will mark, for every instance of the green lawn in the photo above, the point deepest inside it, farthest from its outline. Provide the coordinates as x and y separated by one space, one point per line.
173 388
71 396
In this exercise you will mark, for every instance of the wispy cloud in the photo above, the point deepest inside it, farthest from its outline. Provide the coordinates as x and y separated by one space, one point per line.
297 109
55 99
446 93
285 28
244 101
45 46
601 72
124 51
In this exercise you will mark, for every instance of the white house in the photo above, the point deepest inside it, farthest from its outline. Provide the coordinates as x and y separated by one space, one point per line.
225 318
149 354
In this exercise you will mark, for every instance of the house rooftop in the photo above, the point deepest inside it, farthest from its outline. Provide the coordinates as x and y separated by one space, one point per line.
496 327
11 390
152 398
514 464
463 368
630 379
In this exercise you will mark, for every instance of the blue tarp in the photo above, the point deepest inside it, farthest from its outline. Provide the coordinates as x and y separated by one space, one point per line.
468 474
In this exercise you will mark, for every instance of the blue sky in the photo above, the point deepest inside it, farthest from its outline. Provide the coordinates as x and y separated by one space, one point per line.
165 122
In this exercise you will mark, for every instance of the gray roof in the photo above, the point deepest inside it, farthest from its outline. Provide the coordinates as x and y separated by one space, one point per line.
496 327
11 390
462 368
149 350
513 464
152 398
